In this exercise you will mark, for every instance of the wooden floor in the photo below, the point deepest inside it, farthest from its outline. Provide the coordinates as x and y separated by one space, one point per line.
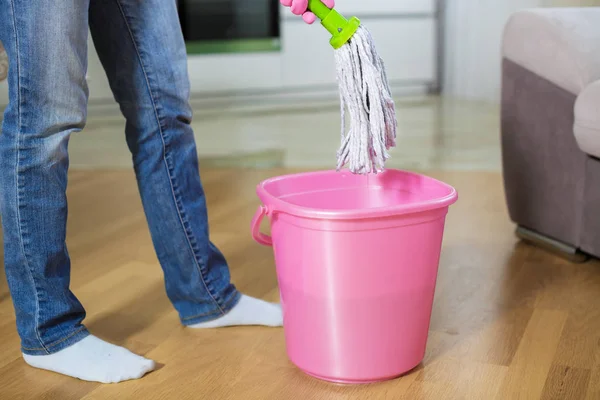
510 321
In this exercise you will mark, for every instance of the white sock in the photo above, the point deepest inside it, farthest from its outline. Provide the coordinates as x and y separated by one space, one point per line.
93 359
249 311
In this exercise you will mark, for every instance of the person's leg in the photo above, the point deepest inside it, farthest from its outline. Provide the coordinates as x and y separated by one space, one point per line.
47 102
46 42
141 47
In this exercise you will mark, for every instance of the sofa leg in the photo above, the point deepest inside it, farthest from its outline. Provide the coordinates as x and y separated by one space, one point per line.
554 246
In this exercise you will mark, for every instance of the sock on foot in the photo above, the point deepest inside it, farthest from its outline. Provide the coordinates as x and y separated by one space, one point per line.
93 359
249 311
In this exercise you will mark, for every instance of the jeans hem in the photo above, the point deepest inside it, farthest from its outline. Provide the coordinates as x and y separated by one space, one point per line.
227 306
58 345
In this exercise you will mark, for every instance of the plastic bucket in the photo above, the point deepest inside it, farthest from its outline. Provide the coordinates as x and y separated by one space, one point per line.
357 260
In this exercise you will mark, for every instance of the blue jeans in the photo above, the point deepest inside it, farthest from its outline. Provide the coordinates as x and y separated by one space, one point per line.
142 50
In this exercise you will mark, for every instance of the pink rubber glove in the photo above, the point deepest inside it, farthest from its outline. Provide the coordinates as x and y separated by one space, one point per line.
299 7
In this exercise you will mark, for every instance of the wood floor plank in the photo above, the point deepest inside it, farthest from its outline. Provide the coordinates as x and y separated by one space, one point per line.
9 345
566 383
452 379
532 363
593 389
579 341
21 382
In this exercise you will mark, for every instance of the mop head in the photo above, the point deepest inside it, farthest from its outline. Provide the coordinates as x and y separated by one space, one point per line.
366 96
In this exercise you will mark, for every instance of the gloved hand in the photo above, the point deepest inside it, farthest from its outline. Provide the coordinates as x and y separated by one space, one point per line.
299 7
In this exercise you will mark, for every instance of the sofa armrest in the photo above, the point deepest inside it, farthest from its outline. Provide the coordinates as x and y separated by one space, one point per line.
587 119
561 45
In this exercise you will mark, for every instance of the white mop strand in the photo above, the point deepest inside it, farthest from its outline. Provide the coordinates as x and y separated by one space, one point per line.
366 94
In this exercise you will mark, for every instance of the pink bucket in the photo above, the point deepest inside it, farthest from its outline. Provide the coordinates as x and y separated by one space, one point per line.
357 260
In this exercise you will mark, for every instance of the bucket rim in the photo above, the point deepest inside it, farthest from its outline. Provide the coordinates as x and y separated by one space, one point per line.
276 205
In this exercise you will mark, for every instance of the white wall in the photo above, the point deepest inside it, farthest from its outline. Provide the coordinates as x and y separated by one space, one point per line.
473 38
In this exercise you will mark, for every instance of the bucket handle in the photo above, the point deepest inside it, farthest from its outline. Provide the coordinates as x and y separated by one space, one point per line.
257 235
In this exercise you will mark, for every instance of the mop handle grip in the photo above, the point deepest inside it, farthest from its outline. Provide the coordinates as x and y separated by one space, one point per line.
340 28
318 8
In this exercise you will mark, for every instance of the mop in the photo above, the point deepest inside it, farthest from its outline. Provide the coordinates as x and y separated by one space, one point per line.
364 94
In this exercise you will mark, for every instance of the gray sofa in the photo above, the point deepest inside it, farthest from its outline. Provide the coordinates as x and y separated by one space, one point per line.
551 127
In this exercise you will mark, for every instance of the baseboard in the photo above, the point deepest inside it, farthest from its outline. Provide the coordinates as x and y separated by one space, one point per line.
273 100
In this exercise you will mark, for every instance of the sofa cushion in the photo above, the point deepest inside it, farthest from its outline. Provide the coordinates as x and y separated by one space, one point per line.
587 119
561 45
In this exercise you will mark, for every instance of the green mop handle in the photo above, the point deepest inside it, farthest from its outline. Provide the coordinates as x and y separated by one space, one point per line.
340 28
